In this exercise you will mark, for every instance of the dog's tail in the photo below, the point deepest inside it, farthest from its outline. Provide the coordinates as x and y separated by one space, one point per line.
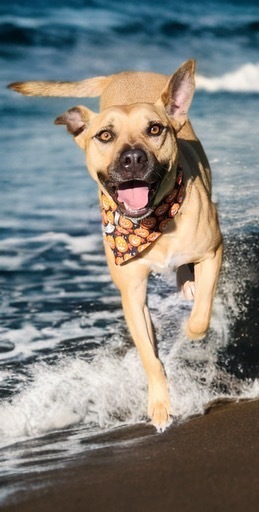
90 87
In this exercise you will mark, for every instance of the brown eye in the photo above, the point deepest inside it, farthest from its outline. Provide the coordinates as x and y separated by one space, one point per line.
156 129
104 136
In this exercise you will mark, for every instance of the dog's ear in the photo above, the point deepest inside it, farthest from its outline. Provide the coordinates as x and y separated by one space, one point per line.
91 87
77 121
177 96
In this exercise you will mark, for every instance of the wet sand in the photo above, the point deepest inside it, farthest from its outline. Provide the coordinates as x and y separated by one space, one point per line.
209 463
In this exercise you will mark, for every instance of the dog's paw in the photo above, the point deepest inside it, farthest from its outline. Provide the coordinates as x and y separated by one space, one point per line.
161 415
188 290
195 331
185 282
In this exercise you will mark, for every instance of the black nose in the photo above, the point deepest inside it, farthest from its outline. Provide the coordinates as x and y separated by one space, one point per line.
133 160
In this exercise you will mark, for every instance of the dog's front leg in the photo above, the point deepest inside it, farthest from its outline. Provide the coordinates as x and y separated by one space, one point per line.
139 323
132 282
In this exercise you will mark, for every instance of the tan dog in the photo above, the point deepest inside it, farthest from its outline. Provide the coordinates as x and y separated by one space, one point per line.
133 149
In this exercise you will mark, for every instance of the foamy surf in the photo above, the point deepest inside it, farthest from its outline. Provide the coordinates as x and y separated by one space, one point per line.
245 79
76 367
109 389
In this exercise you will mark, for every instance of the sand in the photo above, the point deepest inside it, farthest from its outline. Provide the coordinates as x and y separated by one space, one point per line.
209 463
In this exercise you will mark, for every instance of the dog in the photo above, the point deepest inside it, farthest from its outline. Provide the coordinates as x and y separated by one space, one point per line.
154 184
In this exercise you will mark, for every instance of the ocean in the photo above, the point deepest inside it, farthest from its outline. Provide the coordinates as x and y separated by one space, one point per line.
69 373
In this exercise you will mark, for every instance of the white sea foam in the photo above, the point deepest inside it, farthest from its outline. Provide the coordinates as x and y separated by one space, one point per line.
243 79
75 391
28 339
111 389
77 244
27 250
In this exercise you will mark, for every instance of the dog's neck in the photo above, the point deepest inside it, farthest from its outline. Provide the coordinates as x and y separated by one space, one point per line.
128 237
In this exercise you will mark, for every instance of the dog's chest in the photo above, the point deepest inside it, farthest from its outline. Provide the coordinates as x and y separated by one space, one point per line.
172 262
166 256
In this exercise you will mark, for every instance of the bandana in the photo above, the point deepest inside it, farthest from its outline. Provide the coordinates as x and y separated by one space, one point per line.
127 237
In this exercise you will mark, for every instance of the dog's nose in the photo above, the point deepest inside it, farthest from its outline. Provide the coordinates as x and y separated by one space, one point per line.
133 159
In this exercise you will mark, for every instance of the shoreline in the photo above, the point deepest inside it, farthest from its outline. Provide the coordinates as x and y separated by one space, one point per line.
208 463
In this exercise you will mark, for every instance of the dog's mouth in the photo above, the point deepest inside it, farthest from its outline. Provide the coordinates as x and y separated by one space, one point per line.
135 197
134 190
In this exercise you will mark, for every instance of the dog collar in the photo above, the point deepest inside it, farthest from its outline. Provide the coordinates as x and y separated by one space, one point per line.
127 237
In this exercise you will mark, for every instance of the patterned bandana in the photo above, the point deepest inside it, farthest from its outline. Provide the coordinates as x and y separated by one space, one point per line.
127 237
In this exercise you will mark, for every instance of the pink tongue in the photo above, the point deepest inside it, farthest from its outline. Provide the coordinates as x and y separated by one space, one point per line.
134 197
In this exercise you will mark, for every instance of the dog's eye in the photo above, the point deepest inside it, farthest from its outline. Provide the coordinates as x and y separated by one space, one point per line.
105 136
155 129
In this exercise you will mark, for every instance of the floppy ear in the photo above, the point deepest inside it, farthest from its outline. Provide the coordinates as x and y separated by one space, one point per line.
77 120
177 96
90 87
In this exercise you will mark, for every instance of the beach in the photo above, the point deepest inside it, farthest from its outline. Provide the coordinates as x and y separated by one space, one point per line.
209 463
73 391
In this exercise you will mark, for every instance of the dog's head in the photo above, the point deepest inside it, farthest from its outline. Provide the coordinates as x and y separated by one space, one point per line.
131 147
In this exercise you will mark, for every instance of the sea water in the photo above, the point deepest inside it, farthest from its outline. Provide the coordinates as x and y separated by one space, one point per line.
68 368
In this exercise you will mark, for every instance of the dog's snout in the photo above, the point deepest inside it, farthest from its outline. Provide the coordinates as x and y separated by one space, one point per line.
133 159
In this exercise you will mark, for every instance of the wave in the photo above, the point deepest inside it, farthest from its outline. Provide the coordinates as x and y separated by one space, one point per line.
81 378
96 23
245 79
109 389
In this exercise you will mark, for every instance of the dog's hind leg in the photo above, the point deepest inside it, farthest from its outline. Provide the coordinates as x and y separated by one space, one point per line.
206 275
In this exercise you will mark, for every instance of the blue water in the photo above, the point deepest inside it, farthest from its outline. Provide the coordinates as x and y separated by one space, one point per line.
67 364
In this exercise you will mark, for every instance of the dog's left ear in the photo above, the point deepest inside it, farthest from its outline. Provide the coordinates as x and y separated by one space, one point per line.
77 120
177 96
